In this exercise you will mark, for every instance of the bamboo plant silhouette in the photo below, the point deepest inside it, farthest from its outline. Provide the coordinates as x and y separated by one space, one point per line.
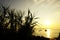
12 21
3 18
26 29
16 19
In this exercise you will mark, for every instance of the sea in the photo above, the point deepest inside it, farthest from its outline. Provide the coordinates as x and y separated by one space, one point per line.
48 33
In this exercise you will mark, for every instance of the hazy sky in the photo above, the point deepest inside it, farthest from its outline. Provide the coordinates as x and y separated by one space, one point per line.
45 9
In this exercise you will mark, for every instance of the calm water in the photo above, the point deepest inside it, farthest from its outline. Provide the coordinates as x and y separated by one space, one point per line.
49 33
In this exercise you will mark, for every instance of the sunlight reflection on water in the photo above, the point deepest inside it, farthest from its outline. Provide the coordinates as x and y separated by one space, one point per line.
49 33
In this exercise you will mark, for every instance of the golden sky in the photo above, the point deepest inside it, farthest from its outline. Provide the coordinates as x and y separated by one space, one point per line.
44 9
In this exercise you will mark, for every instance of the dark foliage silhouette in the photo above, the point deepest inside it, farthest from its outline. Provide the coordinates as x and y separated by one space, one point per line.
58 37
11 20
26 29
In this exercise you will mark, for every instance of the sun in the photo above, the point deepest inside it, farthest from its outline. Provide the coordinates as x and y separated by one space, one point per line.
47 22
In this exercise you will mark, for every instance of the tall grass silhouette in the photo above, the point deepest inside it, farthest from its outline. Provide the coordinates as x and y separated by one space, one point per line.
11 22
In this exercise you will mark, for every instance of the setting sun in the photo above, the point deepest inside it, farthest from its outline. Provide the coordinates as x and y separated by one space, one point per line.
47 22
